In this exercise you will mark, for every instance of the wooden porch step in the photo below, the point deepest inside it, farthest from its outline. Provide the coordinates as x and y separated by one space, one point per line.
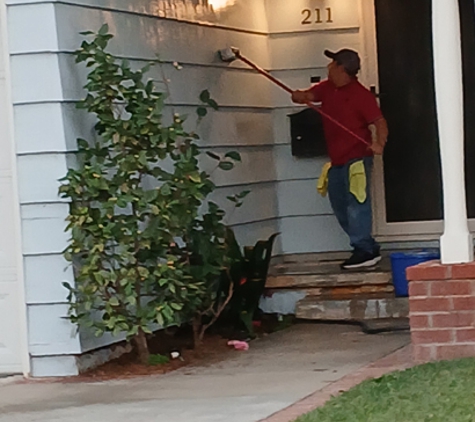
321 274
303 281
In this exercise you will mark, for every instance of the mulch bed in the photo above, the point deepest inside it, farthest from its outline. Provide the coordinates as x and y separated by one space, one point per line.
213 350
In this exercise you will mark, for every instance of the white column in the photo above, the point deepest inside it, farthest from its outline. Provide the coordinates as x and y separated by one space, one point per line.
456 242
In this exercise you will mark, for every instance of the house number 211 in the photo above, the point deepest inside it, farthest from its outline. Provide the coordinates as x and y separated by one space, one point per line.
319 15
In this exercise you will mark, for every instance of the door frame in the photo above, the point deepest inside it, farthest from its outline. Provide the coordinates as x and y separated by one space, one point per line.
8 138
384 231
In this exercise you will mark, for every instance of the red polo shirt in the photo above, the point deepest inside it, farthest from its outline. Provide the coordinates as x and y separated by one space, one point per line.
355 107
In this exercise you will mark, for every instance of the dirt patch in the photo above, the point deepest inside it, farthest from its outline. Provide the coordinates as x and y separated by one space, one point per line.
213 350
164 342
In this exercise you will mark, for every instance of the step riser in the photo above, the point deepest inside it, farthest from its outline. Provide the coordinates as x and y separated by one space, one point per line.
352 309
341 292
327 280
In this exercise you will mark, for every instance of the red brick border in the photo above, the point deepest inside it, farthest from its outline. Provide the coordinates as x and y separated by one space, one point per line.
397 361
442 310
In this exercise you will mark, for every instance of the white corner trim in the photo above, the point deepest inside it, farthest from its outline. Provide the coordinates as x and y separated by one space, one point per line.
9 135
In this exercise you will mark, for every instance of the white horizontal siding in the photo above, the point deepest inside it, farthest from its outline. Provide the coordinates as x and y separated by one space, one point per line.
257 166
289 167
36 78
225 85
145 36
43 229
54 366
260 204
312 233
32 28
300 198
232 127
44 275
39 127
38 176
304 50
244 15
50 331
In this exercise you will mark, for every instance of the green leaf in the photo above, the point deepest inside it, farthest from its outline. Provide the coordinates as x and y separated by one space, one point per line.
156 360
226 165
205 96
233 155
147 68
104 29
67 285
243 194
113 301
165 190
82 144
201 111
196 178
213 104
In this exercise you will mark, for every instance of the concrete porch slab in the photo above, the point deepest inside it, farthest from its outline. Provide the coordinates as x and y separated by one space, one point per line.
276 372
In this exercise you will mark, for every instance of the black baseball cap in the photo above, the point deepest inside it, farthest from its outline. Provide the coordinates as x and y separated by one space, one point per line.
349 59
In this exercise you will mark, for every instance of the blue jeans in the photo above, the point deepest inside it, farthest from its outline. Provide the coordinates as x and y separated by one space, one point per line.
354 217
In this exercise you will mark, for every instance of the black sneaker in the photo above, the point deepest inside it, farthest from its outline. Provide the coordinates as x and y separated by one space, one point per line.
361 259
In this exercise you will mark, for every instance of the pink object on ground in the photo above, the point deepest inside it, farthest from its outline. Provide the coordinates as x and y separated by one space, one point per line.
238 345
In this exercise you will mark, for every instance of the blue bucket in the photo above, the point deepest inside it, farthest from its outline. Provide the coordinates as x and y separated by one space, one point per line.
401 261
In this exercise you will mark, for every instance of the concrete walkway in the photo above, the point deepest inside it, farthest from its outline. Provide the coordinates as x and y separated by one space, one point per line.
276 372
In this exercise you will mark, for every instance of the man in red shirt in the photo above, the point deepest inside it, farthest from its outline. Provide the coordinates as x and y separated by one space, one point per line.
348 102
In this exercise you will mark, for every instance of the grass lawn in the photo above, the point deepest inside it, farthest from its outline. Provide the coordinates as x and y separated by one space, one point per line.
436 392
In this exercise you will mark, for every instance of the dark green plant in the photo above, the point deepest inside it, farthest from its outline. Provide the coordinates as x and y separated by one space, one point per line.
248 275
211 257
155 360
143 252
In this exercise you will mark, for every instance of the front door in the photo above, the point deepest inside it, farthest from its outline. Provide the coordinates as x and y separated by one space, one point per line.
412 200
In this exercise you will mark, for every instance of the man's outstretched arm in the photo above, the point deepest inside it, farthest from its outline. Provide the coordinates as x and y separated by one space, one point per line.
302 97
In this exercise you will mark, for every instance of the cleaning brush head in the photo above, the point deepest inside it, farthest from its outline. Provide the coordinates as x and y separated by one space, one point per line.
229 54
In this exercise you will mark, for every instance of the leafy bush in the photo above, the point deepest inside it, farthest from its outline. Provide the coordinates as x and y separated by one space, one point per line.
146 244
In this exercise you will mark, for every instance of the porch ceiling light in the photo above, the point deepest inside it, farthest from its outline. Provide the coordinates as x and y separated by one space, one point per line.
220 4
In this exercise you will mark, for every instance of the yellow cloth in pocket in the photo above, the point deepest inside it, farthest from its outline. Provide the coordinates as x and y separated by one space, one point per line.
322 184
358 181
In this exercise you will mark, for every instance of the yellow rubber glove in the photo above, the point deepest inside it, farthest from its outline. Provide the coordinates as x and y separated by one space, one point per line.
322 185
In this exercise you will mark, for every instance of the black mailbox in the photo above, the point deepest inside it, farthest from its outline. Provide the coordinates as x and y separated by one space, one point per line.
308 139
